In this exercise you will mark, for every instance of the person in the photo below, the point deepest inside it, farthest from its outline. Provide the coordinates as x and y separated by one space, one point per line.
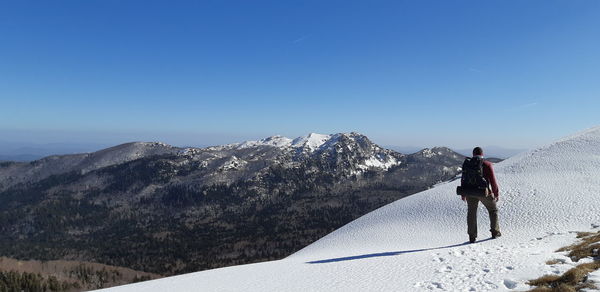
489 201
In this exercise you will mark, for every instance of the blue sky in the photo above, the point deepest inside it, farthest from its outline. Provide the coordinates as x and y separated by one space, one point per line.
414 73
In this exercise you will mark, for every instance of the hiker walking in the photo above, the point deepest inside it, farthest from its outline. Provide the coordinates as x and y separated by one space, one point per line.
477 178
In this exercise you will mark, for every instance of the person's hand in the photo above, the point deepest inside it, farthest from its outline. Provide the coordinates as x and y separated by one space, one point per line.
496 198
463 198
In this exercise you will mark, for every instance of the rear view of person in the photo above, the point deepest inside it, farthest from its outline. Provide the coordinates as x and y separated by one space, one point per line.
478 184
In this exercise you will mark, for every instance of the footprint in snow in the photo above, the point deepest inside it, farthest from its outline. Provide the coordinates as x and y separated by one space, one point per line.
510 284
439 260
435 285
491 285
446 269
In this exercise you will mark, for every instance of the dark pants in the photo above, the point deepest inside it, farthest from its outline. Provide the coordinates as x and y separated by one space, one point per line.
490 205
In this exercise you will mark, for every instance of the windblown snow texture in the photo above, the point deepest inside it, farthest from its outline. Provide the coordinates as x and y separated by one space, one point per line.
419 243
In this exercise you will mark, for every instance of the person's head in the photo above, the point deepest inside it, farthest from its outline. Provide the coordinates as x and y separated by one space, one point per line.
477 151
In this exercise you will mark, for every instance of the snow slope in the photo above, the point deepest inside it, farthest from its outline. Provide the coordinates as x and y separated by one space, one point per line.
418 243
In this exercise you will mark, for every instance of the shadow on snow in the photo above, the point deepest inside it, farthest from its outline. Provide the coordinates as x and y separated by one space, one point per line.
387 254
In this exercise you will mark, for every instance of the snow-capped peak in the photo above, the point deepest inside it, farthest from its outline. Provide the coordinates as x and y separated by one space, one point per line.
311 141
308 143
275 141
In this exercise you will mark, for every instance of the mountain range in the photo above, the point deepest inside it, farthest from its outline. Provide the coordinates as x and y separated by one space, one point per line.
25 152
168 210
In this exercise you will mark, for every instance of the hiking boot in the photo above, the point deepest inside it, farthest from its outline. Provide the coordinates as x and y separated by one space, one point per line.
472 239
496 234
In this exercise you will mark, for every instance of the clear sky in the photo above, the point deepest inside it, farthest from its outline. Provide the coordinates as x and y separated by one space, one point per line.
454 73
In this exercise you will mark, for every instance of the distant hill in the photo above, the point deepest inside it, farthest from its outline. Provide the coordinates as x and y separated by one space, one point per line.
20 157
21 151
494 151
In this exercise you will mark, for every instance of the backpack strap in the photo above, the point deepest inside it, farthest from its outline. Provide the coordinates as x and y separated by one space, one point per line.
481 161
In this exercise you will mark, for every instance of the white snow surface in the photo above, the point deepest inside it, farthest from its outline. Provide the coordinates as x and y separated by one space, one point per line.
310 142
275 141
594 277
379 162
419 243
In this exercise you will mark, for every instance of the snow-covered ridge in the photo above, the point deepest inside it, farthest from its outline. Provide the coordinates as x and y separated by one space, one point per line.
376 157
310 142
418 243
274 141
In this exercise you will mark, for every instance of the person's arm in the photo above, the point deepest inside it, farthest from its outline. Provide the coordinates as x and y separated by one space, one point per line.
491 177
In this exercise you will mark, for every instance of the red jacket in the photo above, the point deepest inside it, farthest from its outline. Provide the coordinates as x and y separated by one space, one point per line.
488 174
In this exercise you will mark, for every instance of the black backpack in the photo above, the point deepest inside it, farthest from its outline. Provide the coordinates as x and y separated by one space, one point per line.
472 182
